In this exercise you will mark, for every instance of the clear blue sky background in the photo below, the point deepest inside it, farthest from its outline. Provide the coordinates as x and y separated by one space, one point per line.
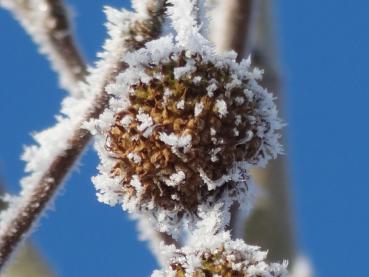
324 50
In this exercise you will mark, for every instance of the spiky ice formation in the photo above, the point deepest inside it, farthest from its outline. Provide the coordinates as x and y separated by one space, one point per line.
218 255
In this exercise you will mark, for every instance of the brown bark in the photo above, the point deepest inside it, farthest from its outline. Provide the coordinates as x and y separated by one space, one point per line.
60 33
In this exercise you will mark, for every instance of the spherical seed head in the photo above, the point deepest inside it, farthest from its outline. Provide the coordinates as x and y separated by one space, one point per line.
221 257
178 129
186 131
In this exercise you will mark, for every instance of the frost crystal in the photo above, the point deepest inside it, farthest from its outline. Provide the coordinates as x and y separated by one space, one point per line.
221 107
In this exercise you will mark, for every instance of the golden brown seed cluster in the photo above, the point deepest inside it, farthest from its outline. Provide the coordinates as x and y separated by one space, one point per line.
220 121
212 264
221 263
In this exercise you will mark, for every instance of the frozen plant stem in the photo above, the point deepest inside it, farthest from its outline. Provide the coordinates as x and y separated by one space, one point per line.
31 205
61 38
45 189
47 22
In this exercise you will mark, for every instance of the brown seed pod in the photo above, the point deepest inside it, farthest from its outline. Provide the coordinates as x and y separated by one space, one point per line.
178 130
183 128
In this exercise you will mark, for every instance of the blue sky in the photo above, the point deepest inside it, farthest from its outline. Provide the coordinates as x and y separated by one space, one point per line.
324 53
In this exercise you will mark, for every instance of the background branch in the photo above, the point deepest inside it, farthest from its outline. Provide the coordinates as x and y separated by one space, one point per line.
47 22
233 23
247 27
270 223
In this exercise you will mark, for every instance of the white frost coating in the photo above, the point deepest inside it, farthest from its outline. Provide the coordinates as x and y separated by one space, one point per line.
221 107
197 80
135 182
34 16
53 142
198 108
184 19
211 88
181 104
145 121
140 6
236 174
184 70
126 120
176 141
248 260
175 179
202 17
214 154
134 157
239 100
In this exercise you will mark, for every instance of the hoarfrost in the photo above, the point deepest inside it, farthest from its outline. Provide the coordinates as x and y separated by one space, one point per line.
221 107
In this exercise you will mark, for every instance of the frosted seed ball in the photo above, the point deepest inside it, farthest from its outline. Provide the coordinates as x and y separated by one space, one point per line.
169 137
174 140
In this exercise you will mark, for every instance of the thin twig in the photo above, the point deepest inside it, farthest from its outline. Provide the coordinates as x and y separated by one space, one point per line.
47 22
34 204
46 187
61 37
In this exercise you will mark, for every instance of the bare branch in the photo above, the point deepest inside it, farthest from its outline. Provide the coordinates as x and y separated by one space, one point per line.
232 25
270 224
47 22
29 211
25 209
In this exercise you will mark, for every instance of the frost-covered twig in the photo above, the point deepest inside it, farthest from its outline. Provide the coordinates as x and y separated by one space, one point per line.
59 147
47 22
